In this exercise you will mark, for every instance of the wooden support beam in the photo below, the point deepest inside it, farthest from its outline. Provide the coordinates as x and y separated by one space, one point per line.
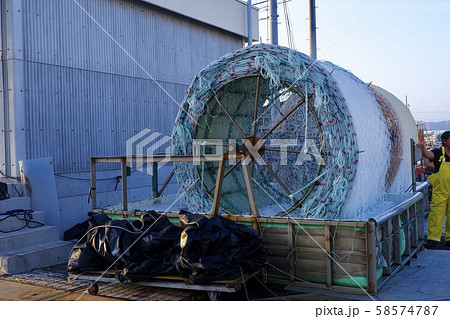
250 193
396 240
405 215
420 219
387 246
371 243
219 182
329 255
292 252
413 220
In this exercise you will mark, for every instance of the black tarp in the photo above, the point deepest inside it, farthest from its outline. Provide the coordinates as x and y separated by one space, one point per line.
202 249
217 249
138 248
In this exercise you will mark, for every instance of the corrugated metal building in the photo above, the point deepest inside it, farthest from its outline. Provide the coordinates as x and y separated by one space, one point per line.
81 77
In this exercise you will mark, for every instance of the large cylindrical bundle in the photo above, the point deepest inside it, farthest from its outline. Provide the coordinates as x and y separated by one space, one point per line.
322 143
403 130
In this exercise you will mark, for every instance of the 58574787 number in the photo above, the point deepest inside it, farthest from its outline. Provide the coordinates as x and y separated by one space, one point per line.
406 310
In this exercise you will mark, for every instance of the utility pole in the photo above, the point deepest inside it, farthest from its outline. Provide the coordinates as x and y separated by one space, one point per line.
249 23
273 20
312 29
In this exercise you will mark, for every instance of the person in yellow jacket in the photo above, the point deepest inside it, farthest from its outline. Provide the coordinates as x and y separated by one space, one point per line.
440 200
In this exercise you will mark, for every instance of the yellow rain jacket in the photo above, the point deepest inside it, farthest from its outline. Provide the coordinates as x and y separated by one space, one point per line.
440 202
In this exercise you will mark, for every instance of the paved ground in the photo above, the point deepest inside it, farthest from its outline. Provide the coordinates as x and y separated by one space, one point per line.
426 278
52 284
16 291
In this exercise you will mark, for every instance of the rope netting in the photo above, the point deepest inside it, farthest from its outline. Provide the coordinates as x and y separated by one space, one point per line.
368 186
289 77
329 145
395 134
401 180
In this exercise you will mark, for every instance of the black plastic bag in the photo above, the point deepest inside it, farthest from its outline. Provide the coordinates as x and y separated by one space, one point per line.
138 248
217 249
159 247
84 258
206 250
80 230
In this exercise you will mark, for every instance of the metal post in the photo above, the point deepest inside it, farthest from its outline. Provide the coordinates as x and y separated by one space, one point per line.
124 184
163 187
312 29
93 189
273 20
155 179
413 165
249 23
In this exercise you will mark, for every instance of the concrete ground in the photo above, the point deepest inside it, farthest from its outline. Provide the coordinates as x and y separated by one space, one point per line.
427 278
16 291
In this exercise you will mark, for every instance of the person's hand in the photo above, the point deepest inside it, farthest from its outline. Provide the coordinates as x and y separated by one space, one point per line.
421 146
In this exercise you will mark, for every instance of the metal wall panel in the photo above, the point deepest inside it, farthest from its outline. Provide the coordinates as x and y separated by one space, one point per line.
230 15
85 95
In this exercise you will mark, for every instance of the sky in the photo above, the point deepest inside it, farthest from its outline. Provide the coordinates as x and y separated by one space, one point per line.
402 46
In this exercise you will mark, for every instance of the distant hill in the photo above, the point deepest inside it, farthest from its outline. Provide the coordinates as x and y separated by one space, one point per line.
438 126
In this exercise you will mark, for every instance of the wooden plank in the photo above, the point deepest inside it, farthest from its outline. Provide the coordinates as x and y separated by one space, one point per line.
292 251
350 258
272 239
309 231
274 230
396 241
349 232
355 244
279 262
297 222
312 265
276 250
349 251
311 254
413 218
420 221
315 276
175 282
161 158
329 261
219 183
386 244
371 258
250 194
310 241
405 225
354 270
